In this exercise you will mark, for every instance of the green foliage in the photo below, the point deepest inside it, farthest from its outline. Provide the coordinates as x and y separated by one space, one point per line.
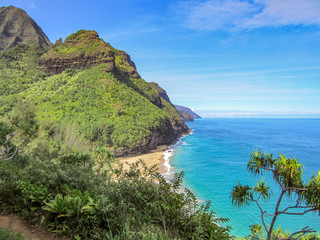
88 195
23 118
241 195
112 107
287 173
6 234
257 232
61 129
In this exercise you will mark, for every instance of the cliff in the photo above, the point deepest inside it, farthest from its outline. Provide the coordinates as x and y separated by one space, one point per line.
162 93
86 82
16 27
185 116
186 113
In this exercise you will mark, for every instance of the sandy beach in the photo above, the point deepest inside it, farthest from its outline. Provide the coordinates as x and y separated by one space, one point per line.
156 156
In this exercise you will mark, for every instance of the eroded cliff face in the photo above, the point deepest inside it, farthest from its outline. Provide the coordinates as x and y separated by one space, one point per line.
81 50
84 50
162 93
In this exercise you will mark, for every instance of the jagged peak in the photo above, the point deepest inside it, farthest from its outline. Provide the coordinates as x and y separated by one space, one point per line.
17 27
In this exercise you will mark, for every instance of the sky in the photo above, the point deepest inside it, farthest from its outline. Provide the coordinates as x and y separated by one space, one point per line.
222 58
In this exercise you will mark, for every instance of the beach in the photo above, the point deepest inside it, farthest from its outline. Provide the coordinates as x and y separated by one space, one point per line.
156 156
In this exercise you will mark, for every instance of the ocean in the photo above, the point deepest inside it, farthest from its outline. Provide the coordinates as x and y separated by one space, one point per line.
215 156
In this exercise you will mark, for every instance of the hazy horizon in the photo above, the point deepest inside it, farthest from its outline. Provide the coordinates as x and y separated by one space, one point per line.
254 114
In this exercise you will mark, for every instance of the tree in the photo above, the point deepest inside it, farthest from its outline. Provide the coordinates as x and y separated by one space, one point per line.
20 126
287 173
7 149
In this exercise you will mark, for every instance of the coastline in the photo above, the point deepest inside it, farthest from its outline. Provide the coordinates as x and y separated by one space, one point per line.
155 156
159 156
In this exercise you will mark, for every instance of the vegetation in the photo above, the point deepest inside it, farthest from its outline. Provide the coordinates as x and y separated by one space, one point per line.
287 173
8 235
17 27
108 108
66 109
53 179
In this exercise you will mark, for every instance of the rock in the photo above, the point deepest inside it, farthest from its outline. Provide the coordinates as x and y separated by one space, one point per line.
81 50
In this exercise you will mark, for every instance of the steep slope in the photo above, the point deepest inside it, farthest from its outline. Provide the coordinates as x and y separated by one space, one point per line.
186 111
162 93
86 82
185 116
16 27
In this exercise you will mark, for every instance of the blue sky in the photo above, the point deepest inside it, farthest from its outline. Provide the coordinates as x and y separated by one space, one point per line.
233 56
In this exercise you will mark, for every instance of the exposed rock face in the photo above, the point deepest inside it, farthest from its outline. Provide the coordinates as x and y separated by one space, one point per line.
186 113
120 91
81 50
162 93
126 64
16 27
166 135
185 116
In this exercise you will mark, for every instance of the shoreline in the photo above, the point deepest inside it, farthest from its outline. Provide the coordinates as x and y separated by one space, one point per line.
159 156
155 156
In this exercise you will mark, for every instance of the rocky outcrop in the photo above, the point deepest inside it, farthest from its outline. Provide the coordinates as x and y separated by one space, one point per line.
81 50
126 65
16 27
162 93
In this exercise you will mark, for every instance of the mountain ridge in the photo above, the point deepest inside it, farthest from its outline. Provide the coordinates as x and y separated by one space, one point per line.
86 82
17 27
186 113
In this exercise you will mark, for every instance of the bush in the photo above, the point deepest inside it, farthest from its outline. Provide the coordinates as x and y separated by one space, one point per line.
8 235
73 197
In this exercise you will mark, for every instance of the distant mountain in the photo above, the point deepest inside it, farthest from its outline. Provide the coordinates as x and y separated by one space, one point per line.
16 27
162 93
186 113
86 82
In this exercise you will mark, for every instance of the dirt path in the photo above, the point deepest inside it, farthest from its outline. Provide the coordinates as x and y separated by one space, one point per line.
17 224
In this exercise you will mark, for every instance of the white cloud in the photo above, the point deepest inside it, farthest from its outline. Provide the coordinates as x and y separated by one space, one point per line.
247 14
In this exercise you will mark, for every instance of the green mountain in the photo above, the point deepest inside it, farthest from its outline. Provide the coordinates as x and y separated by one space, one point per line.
86 82
186 113
16 27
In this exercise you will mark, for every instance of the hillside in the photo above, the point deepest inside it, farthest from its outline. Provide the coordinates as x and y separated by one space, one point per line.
87 82
16 27
66 112
186 113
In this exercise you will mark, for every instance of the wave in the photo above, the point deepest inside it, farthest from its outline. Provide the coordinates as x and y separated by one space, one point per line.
168 154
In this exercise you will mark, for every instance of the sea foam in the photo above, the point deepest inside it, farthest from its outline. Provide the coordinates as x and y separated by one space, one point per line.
168 154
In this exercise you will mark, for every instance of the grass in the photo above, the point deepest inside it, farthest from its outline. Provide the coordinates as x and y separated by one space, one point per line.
6 234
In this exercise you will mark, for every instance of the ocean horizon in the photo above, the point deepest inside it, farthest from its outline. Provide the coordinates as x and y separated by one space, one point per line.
215 156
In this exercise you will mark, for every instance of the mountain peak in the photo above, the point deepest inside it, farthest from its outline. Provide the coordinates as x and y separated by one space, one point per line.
16 27
83 37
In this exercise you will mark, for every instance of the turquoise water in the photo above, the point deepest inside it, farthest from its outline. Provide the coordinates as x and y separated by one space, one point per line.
215 157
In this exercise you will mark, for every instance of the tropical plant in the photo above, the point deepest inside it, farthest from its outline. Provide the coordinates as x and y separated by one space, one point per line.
287 173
